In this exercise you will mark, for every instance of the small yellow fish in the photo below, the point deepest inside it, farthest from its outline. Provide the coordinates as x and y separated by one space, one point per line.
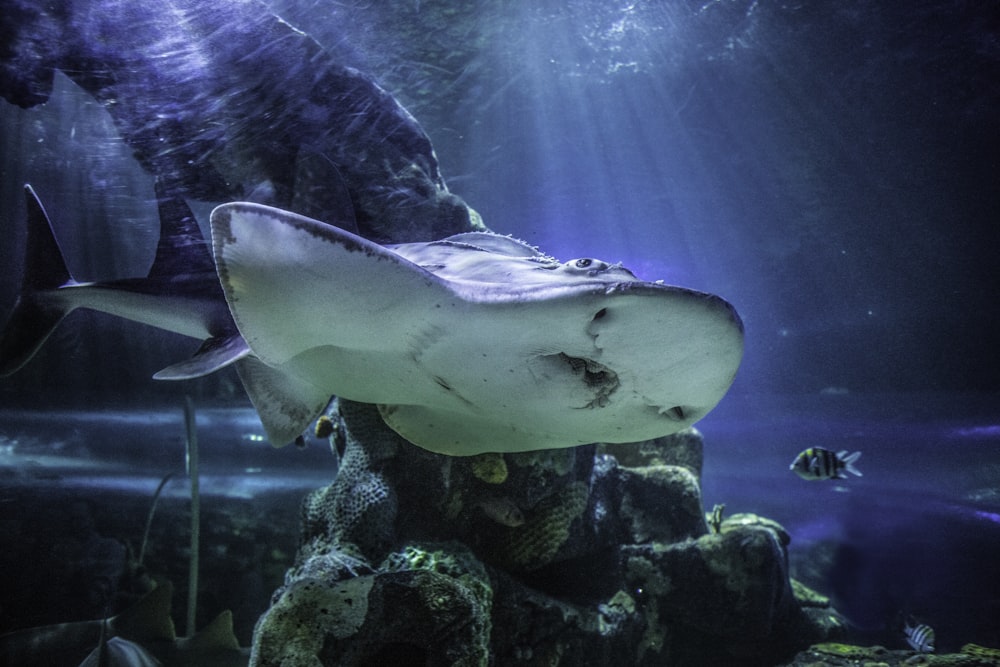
503 511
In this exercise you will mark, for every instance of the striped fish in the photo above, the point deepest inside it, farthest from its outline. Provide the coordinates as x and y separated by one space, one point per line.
819 463
919 636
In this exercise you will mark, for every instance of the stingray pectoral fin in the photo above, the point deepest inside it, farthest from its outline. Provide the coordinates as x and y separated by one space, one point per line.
214 354
294 284
285 403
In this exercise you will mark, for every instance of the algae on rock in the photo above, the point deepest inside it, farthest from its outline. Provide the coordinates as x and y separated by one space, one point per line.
612 564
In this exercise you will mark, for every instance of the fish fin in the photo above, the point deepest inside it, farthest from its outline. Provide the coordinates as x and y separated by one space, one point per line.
849 460
182 247
45 267
321 192
217 635
147 619
34 318
296 285
30 325
214 354
285 404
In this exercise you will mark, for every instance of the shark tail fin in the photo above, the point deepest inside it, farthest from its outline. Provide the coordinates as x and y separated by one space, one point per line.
182 247
35 317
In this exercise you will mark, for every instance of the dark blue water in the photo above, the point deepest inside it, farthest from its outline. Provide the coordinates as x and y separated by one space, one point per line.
131 450
918 534
77 492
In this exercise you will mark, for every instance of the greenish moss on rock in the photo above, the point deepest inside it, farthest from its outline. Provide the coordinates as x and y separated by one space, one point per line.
661 503
610 565
305 616
684 448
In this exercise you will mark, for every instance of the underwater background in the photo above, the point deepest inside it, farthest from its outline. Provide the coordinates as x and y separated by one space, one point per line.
832 169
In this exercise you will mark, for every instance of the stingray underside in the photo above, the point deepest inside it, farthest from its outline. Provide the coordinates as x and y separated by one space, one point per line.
460 368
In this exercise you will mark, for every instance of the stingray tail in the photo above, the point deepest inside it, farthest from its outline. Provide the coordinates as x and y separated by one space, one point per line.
36 314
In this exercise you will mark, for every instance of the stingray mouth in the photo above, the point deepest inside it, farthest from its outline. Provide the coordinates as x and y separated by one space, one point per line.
598 380
677 413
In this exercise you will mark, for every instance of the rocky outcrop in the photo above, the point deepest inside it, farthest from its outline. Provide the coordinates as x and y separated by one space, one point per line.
550 557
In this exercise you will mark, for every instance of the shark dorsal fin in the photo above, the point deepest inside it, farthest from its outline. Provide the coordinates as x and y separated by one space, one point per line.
217 635
322 193
46 267
147 619
182 247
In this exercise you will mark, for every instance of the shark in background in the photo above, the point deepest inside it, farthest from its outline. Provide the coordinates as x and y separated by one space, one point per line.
141 635
244 107
181 293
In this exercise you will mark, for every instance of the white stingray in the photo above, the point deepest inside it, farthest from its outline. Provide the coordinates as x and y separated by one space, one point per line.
476 343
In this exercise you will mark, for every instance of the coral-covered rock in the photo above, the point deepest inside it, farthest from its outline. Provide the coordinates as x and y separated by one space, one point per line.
537 543
411 616
833 654
661 503
683 448
733 585
549 557
306 615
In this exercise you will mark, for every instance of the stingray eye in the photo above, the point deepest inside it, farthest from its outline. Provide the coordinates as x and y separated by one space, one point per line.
586 265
